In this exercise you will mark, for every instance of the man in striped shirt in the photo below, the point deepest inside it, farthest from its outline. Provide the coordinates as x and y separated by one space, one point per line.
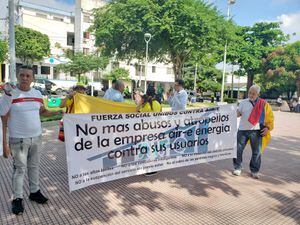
25 130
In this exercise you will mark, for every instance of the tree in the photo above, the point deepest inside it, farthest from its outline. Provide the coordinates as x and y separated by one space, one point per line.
208 78
253 44
282 71
31 45
81 63
3 51
118 74
180 29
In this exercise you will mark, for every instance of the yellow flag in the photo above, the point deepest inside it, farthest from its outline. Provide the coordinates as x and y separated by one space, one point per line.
87 104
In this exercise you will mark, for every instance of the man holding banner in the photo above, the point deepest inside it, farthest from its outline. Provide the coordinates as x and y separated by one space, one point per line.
256 122
25 132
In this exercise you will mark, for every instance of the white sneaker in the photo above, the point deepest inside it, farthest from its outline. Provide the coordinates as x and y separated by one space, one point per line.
237 172
255 175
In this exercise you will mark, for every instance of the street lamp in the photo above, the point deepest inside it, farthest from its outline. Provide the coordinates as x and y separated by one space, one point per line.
147 37
229 2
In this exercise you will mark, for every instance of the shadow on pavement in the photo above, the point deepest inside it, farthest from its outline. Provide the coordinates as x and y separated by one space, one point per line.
289 205
94 203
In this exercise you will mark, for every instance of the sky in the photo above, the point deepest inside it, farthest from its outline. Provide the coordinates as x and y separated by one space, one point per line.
243 12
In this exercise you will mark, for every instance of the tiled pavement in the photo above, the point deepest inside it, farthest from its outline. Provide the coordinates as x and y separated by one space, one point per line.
202 194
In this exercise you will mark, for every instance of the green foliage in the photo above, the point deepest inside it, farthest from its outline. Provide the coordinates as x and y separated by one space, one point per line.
81 63
230 100
181 30
281 71
3 51
208 77
252 44
118 74
31 45
84 80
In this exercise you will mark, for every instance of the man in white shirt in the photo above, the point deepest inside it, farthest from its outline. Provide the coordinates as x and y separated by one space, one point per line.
178 100
252 128
25 130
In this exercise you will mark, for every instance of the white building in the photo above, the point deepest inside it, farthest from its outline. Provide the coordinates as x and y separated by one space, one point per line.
67 31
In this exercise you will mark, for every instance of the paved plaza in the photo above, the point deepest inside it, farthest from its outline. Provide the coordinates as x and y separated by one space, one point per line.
201 194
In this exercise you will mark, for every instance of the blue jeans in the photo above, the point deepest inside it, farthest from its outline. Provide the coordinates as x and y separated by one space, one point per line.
243 136
26 155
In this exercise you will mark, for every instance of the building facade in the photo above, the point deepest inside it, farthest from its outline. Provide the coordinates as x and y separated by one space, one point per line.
69 30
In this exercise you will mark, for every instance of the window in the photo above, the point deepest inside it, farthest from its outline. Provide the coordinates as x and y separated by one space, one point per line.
139 70
45 70
70 39
153 69
86 51
41 15
58 19
169 70
55 73
35 69
87 19
72 20
86 35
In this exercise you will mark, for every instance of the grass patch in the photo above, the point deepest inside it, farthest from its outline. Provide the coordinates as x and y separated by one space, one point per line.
200 104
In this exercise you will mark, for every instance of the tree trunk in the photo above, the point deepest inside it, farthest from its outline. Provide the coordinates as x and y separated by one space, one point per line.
177 66
250 78
78 78
177 69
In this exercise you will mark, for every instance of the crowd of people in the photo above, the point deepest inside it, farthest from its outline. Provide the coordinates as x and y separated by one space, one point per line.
293 104
21 107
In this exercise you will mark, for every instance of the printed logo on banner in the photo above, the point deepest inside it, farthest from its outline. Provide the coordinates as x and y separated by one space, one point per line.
177 143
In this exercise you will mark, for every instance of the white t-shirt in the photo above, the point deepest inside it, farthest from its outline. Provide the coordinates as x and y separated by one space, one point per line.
179 100
24 120
5 103
245 109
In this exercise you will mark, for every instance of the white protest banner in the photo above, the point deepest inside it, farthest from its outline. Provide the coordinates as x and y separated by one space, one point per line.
105 147
1 139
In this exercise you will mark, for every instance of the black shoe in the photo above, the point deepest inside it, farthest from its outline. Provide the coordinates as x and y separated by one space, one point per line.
150 174
17 206
38 197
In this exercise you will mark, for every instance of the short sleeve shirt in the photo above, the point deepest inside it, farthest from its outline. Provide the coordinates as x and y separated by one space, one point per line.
245 109
24 120
114 95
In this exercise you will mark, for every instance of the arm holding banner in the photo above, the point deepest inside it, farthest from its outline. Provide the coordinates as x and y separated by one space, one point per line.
47 113
64 102
239 111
